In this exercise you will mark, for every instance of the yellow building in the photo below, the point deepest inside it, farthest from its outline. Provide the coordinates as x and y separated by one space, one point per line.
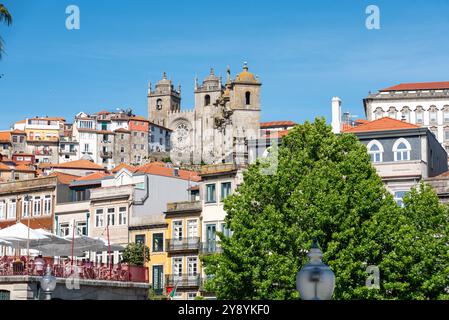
183 245
153 236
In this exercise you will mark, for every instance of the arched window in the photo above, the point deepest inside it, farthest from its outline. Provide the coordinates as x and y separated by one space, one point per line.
378 113
248 98
159 104
401 150
375 150
419 114
207 100
392 112
446 114
433 119
405 114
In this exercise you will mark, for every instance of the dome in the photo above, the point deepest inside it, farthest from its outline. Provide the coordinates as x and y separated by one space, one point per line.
245 75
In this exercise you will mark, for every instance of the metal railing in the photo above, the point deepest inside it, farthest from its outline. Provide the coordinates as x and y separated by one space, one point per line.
185 244
106 154
210 247
182 280
89 271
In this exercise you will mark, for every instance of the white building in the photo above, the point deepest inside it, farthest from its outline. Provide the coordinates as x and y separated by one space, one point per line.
425 104
159 138
84 131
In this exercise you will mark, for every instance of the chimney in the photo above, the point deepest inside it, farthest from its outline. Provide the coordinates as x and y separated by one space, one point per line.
336 115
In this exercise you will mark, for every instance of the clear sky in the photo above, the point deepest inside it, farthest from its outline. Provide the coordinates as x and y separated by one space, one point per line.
305 52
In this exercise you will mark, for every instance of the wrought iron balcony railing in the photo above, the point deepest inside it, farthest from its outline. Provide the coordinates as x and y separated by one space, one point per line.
106 154
183 280
185 244
211 247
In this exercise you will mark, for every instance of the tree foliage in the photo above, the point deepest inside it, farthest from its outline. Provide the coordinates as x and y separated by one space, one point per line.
326 188
134 254
5 17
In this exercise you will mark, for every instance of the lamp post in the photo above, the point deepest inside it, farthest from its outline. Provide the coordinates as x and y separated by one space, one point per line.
48 283
315 281
27 201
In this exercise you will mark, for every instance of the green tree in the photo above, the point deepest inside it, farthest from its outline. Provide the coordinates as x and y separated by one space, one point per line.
6 18
134 254
326 188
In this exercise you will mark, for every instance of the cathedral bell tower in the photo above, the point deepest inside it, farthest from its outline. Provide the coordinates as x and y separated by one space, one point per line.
163 100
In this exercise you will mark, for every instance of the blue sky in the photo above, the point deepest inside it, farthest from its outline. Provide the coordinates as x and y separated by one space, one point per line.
305 52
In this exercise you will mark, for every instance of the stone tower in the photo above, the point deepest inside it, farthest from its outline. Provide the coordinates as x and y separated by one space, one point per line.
163 100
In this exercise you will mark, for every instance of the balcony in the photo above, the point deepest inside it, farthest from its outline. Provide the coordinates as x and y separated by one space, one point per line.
43 152
106 154
182 245
210 247
64 151
183 207
183 281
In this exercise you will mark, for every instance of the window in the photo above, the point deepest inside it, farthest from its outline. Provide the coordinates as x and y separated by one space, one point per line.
378 113
14 139
177 230
134 146
86 125
47 205
192 266
152 139
25 208
142 146
399 197
37 206
158 279
161 141
140 239
192 229
142 134
2 210
64 229
177 268
99 219
433 115
12 209
22 139
122 216
375 151
248 98
446 114
86 147
392 112
225 190
81 228
401 149
210 193
446 134
225 230
122 149
207 100
158 242
111 217
405 114
191 296
122 136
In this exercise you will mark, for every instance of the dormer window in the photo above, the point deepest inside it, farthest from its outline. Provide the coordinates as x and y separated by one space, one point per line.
401 150
375 151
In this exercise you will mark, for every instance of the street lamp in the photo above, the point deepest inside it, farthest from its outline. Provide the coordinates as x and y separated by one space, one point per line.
315 281
48 283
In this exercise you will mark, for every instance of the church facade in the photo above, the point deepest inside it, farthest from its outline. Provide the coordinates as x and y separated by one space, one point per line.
224 118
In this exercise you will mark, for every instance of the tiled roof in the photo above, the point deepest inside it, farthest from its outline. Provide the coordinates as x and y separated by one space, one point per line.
93 176
17 131
276 134
64 178
277 124
123 165
382 124
78 164
139 118
4 167
49 118
160 169
419 86
5 136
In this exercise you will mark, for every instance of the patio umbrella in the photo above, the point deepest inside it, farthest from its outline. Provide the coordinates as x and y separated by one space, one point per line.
20 232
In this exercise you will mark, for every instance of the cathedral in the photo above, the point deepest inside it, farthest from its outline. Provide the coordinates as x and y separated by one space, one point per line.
224 118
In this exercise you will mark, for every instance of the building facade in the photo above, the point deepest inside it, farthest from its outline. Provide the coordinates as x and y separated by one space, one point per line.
223 119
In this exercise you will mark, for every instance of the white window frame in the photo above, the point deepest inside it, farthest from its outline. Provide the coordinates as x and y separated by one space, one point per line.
12 207
26 205
2 210
47 205
37 206
192 265
192 228
99 218
112 215
380 152
122 216
406 151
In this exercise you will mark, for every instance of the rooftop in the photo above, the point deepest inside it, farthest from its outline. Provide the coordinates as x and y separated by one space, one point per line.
78 164
418 86
382 124
271 124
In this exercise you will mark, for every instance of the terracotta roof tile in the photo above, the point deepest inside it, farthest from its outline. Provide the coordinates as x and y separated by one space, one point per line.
4 167
93 176
78 164
5 136
381 124
277 124
123 165
160 169
418 86
276 134
122 130
63 178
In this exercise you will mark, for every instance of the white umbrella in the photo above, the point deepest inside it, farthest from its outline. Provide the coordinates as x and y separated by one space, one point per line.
52 238
5 243
19 231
